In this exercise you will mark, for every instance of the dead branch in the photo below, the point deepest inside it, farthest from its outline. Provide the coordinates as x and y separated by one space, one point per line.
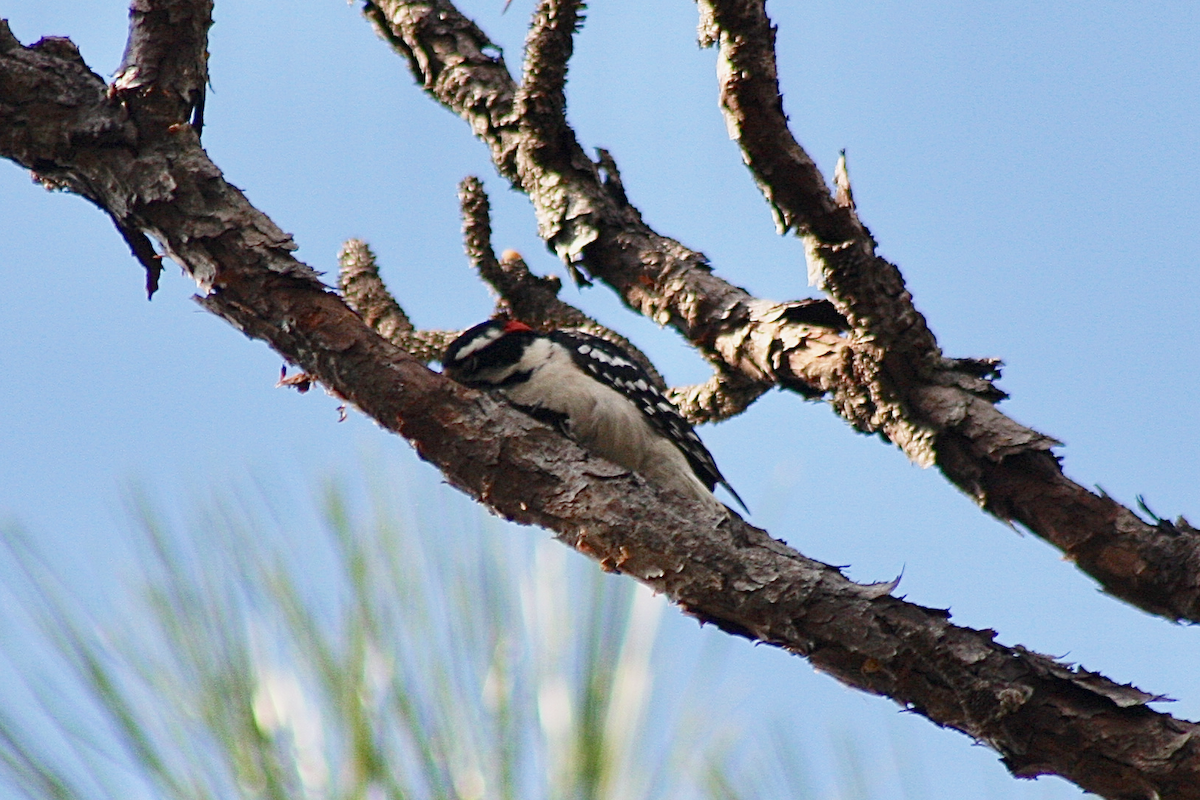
364 291
1005 466
884 375
1042 716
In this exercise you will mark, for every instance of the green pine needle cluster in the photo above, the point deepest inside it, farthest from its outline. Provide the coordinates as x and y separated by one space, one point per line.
367 661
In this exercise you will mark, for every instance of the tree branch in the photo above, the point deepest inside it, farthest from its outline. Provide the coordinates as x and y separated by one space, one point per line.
1042 716
364 291
1005 466
166 61
453 62
523 295
535 300
885 375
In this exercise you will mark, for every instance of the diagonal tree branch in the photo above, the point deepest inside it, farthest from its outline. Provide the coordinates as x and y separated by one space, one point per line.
1006 467
1042 716
1026 706
885 375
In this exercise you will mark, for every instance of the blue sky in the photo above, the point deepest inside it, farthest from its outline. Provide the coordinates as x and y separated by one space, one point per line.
1032 168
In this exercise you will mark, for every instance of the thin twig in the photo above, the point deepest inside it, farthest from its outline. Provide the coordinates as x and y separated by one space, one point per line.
364 290
721 397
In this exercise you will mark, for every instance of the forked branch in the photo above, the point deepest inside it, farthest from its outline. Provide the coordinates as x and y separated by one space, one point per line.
1042 716
870 353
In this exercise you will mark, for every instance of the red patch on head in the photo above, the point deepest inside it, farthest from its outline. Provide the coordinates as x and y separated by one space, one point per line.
513 325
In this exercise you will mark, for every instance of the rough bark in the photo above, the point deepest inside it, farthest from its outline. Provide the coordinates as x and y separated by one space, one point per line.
364 291
59 119
870 353
1007 467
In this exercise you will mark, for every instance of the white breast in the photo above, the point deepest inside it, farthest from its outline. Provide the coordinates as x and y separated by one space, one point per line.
603 420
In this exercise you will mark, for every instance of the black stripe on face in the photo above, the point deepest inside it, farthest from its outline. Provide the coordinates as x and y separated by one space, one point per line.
472 340
487 347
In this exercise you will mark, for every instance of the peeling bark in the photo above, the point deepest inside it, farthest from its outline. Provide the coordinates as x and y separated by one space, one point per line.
60 120
870 353
944 408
